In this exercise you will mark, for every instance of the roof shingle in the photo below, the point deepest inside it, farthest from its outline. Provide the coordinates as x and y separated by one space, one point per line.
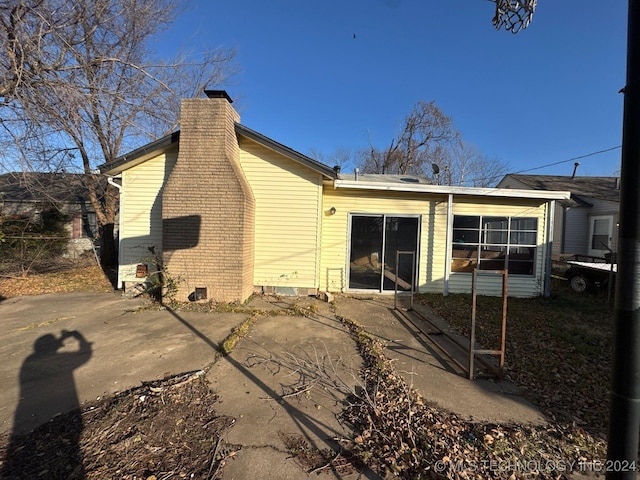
581 188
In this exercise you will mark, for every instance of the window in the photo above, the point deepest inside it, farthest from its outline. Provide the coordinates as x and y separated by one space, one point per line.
89 228
494 243
601 232
84 226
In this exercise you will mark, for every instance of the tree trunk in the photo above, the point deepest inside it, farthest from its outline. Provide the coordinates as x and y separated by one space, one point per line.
105 206
108 256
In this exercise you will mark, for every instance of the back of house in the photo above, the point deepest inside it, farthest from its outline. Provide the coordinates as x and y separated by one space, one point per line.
226 211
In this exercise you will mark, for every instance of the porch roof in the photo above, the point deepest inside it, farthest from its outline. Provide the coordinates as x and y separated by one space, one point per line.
451 190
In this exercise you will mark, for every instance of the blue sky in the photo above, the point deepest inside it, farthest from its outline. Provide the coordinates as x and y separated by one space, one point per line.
545 95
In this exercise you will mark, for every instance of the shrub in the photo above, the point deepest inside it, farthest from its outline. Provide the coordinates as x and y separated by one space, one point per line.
29 238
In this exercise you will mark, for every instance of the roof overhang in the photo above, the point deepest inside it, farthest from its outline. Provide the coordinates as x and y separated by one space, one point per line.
140 155
324 170
453 190
150 150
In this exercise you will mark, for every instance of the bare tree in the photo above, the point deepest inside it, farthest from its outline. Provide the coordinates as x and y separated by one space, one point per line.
430 145
79 84
342 157
425 131
488 171
464 164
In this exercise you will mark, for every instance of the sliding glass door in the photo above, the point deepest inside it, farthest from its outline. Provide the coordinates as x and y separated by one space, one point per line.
375 243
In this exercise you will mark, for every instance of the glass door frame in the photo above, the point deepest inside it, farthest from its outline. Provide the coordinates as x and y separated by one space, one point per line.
384 217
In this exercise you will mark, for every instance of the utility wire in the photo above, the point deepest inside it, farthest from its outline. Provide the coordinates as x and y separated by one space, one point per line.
494 178
571 159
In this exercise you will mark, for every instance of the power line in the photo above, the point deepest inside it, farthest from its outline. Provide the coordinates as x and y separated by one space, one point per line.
571 159
493 178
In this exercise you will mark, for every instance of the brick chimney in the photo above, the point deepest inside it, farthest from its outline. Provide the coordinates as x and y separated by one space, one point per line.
208 206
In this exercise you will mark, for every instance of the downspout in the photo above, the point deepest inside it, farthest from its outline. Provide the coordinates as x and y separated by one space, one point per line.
119 187
551 209
563 245
448 245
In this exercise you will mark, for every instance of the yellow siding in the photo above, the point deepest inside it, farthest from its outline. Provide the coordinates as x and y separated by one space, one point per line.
141 213
335 231
433 236
287 223
299 243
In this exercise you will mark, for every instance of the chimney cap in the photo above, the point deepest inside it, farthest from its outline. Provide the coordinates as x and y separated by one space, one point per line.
218 94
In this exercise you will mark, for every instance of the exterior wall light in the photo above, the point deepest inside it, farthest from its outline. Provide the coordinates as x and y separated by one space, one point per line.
141 270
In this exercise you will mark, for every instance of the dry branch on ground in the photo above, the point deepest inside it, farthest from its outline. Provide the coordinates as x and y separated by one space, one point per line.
396 432
162 429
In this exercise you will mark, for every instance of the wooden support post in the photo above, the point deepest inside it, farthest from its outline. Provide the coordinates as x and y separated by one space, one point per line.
503 324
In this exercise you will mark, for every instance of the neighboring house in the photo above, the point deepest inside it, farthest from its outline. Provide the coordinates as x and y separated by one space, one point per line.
27 193
586 223
231 212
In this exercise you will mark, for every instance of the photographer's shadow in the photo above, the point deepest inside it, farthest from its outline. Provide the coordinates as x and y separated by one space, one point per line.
49 404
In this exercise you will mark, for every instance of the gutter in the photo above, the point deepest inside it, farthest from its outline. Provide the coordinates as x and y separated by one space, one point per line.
453 190
551 213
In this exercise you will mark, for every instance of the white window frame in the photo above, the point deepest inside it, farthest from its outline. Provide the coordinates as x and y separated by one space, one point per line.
599 252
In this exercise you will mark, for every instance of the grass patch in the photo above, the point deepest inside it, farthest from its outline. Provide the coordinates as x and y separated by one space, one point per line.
83 279
294 309
43 324
237 333
301 310
558 349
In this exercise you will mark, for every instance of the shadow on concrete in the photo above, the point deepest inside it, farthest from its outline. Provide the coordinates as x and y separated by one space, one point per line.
424 335
444 361
47 389
307 425
441 376
214 346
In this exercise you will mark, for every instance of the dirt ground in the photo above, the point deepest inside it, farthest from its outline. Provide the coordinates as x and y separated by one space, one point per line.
167 426
61 275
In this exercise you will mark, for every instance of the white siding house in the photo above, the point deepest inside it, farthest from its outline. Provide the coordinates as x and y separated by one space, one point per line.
587 222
